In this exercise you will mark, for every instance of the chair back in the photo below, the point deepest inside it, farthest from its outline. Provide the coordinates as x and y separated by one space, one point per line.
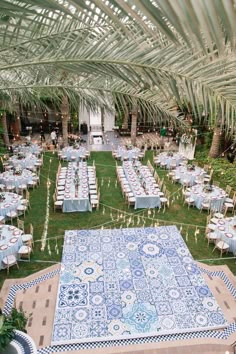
21 225
31 229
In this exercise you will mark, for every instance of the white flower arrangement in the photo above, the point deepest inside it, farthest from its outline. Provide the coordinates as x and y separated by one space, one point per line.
186 139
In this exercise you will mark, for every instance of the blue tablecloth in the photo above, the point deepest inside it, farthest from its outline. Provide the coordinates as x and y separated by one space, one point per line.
188 176
70 152
226 232
177 158
138 177
216 197
8 179
10 241
76 197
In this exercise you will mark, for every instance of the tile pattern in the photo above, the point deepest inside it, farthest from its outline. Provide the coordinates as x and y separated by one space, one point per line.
229 330
127 283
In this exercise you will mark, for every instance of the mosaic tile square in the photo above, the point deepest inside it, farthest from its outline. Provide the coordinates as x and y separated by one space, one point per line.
123 284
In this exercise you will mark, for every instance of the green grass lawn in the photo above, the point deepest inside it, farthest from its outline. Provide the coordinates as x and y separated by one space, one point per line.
113 213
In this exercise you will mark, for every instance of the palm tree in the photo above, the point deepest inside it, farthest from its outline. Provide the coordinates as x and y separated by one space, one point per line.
155 54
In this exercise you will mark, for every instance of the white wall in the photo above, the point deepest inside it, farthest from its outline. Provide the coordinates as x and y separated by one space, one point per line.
109 121
95 118
83 116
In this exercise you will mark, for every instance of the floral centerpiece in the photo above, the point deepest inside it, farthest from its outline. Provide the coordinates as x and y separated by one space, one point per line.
21 155
76 179
2 197
190 167
18 171
170 154
186 139
208 188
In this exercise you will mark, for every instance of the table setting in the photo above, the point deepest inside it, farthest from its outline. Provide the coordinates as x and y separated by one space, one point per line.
170 159
225 229
9 202
142 185
23 160
122 153
73 153
208 193
28 149
10 241
16 177
188 174
76 196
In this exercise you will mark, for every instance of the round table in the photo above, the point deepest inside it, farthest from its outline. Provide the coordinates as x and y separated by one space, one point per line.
226 231
127 154
9 179
10 241
27 162
170 159
73 154
10 203
216 197
28 149
187 176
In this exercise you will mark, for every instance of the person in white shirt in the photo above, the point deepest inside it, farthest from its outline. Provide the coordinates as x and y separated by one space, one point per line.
54 137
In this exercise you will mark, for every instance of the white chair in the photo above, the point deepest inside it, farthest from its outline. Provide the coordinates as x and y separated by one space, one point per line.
12 215
211 237
24 252
222 246
57 204
189 201
28 239
9 261
21 209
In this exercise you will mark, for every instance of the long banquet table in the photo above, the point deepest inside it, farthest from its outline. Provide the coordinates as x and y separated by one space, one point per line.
142 183
76 197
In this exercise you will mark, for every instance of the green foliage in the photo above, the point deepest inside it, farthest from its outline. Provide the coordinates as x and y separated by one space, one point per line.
16 320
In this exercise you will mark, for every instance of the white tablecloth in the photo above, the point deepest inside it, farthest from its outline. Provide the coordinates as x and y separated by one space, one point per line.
129 154
70 152
28 149
226 231
27 162
141 183
216 197
76 198
164 157
9 179
10 203
10 241
189 176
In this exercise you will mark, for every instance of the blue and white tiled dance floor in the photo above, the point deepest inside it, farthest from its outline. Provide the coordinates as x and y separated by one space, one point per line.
129 283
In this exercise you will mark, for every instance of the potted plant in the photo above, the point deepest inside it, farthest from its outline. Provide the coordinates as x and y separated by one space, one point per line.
16 320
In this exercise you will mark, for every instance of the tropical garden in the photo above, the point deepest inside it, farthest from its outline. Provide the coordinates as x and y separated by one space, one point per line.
173 60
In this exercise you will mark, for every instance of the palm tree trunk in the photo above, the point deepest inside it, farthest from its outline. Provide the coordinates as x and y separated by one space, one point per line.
5 129
216 143
134 127
65 117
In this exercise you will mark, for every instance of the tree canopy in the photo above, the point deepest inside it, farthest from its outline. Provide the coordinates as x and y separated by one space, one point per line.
157 54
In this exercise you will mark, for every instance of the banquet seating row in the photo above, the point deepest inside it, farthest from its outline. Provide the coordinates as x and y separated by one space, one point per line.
93 191
132 191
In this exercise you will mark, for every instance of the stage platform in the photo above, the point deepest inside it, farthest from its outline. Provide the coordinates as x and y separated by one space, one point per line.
123 285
